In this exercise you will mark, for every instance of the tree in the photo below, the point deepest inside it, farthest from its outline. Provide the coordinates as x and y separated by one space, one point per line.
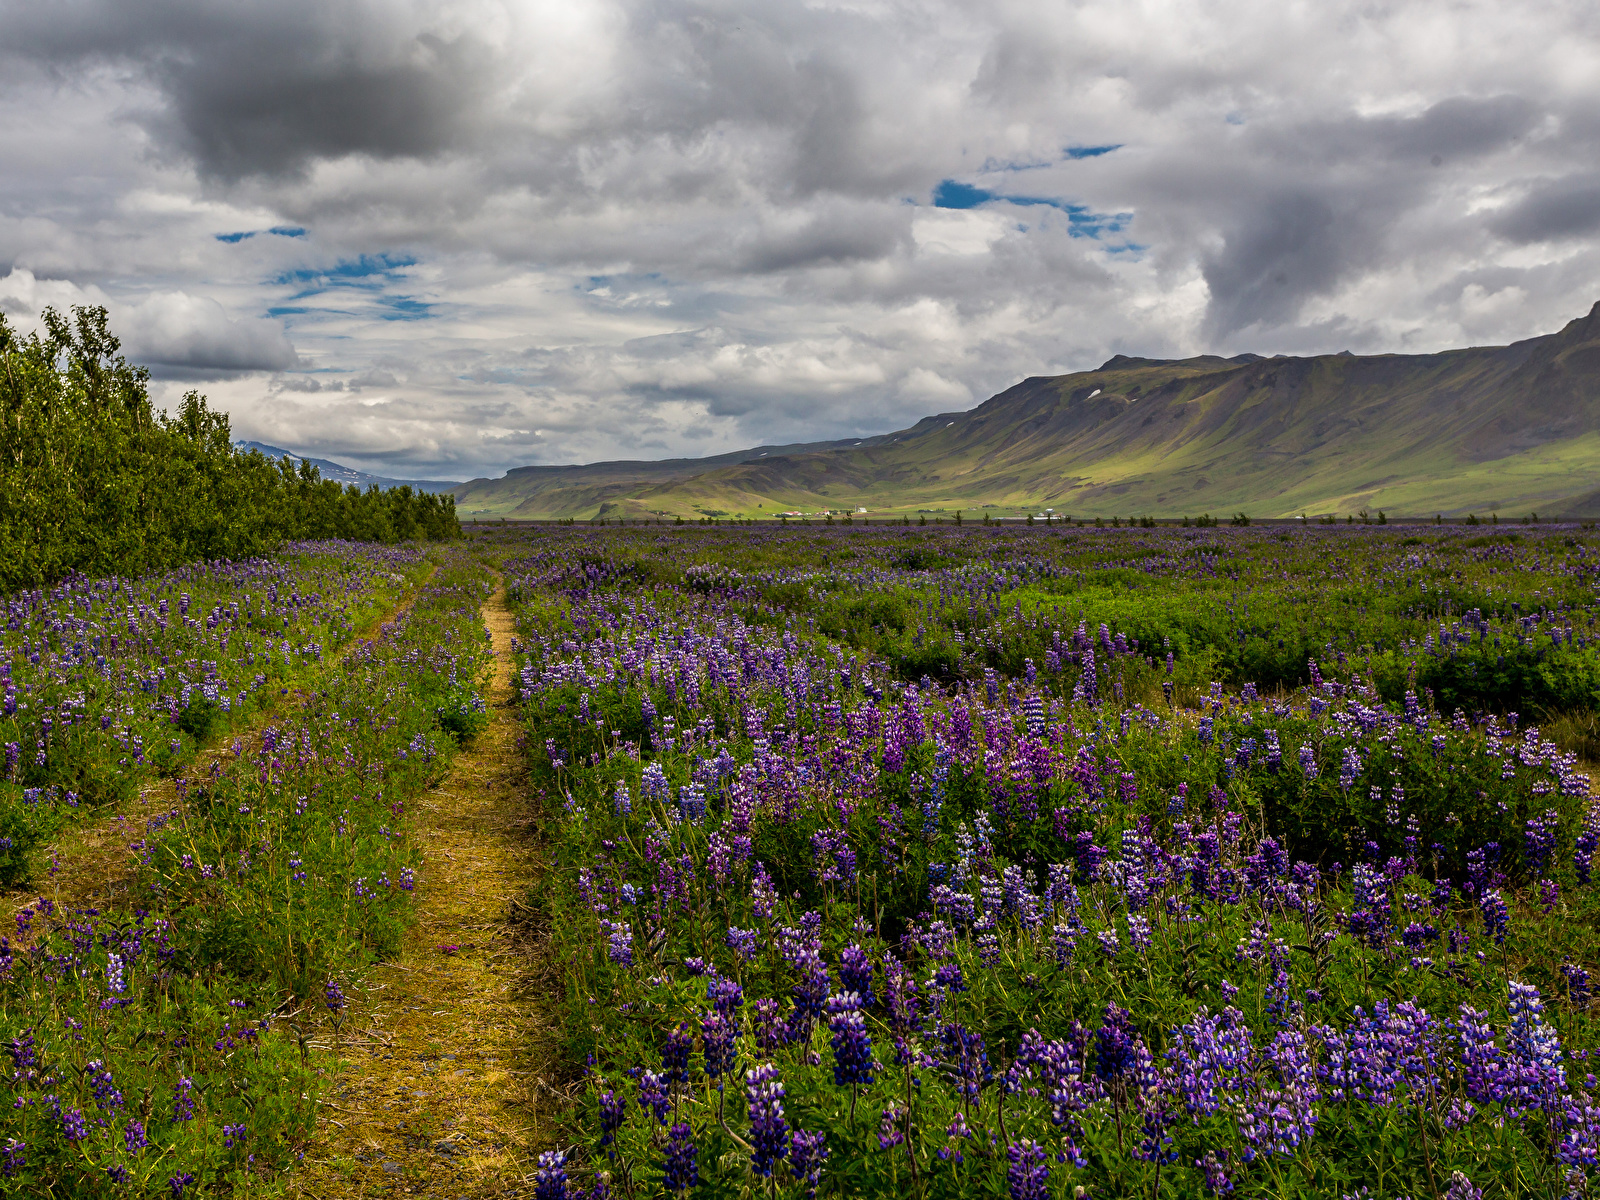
93 479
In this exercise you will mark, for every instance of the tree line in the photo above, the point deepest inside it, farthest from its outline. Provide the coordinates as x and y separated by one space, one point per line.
94 479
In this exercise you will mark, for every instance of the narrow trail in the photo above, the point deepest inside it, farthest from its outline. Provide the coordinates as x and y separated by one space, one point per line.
93 862
446 1087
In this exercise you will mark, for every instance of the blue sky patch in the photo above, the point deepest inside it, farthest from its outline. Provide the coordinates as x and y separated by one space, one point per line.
370 272
288 231
1082 221
405 308
952 194
1090 151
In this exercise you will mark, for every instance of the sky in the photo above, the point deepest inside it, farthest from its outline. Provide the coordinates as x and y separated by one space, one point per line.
440 240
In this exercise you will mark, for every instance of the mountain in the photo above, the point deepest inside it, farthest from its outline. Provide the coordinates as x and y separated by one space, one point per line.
540 493
347 475
1495 428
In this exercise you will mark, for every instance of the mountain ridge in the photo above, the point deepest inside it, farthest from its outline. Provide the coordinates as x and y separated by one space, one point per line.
340 473
1479 429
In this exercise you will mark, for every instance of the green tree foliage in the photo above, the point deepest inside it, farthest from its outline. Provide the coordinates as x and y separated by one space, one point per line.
93 479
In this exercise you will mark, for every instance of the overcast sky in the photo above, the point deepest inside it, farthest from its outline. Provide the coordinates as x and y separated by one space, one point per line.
438 240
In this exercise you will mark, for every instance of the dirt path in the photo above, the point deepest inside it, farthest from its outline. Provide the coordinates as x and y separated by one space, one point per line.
445 1089
92 862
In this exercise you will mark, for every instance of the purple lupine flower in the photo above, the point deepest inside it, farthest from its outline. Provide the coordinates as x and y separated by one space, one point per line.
1479 862
807 1152
1028 1176
724 994
106 1096
1461 1188
73 1126
1415 936
1153 1138
692 802
333 996
613 1108
653 783
763 894
855 973
1349 767
1214 1165
891 1126
1587 842
232 1135
966 1060
178 1184
1482 1068
1495 915
988 946
903 999
1578 990
13 1158
1063 942
1274 760
743 942
675 1054
1308 768
949 977
1114 1045
655 1095
183 1100
550 1177
1549 894
771 1030
1533 1052
681 1170
1539 840
810 993
768 1130
720 1037
1033 712
133 1136
852 1048
619 942
1139 936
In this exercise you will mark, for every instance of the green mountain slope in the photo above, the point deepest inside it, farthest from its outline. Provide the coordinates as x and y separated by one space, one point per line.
542 493
1509 428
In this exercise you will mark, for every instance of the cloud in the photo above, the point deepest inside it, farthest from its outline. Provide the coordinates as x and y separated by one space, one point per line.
193 335
1553 210
560 232
176 334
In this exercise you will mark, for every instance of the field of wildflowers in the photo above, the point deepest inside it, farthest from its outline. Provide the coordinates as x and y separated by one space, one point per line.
108 683
1061 863
162 1050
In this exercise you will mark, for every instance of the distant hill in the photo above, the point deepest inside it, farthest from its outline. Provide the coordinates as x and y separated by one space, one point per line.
542 493
1511 429
343 474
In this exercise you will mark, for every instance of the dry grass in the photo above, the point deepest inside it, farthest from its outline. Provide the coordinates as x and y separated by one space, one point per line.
447 1085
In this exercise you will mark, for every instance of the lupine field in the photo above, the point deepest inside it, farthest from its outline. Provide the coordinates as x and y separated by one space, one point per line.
927 861
161 1049
1064 863
108 683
